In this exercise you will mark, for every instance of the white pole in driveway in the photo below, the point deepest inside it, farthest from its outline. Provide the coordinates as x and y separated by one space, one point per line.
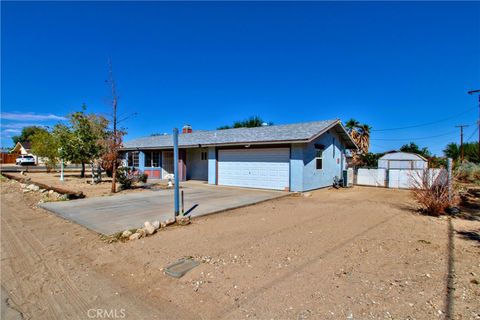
61 163
61 172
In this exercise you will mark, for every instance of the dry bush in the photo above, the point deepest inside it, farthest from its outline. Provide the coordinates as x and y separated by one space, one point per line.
468 172
430 191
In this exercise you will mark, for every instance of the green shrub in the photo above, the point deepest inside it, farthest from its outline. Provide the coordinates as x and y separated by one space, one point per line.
468 172
128 177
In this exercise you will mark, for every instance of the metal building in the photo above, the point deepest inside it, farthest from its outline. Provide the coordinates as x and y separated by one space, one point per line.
402 160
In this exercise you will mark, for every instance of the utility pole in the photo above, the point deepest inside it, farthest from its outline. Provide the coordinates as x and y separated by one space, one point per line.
115 138
478 120
461 126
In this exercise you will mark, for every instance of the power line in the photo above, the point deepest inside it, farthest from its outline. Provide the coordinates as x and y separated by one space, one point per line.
473 133
427 123
421 138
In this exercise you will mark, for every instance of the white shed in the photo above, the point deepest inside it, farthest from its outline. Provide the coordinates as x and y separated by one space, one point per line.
402 160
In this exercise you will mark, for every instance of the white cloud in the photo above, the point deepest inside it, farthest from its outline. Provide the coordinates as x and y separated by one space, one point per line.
29 116
12 130
19 125
8 133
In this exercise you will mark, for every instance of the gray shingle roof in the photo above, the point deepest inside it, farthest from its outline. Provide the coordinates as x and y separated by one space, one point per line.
298 132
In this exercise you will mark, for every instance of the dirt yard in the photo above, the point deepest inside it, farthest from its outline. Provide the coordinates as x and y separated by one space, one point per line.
73 182
358 253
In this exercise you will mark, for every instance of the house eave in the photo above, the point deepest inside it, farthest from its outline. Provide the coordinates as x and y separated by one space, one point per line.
342 133
243 143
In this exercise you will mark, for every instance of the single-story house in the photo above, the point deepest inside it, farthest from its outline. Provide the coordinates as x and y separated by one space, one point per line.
23 149
292 157
402 160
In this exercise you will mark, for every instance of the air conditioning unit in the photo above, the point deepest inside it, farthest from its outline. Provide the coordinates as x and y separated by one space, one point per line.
348 178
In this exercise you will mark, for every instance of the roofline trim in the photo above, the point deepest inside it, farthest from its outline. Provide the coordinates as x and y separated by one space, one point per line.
315 136
337 122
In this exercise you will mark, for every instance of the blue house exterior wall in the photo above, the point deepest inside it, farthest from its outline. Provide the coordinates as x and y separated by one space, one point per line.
141 161
212 165
333 162
296 167
197 168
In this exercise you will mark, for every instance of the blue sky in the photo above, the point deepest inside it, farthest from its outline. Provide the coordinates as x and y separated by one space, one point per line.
207 64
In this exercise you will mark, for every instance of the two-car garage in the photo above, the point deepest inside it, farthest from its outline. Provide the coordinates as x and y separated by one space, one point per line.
266 168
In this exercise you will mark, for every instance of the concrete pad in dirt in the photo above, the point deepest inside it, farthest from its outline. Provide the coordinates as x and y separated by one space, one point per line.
111 214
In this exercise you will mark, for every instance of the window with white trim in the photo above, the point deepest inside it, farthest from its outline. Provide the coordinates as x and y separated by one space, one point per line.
133 159
319 158
204 155
152 159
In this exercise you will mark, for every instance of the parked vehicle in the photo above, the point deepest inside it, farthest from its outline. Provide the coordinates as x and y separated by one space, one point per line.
25 160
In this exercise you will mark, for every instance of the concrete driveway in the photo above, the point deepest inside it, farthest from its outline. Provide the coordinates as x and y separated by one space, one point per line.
111 214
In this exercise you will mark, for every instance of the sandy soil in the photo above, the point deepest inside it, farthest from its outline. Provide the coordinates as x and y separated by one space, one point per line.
73 182
359 253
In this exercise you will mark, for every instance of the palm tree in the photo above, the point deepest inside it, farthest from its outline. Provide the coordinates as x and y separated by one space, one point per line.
351 125
360 134
364 137
452 150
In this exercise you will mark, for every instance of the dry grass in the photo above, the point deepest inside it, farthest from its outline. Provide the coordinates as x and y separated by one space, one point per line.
431 192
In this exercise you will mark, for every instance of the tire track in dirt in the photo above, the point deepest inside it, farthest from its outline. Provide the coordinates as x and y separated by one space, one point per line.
28 252
39 285
227 312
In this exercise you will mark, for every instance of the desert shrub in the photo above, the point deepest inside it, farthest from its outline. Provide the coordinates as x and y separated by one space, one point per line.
437 162
143 177
128 177
431 193
468 172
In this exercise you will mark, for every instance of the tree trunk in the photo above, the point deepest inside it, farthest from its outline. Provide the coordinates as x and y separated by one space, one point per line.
93 172
82 173
114 176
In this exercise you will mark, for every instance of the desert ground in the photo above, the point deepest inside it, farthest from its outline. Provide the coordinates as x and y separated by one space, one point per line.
359 253
73 182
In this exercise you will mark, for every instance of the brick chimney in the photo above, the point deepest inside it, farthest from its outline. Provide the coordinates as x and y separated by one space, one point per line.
187 129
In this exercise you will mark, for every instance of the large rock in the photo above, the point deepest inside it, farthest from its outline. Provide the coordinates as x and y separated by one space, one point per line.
55 195
134 236
156 224
126 234
149 228
183 221
33 187
141 232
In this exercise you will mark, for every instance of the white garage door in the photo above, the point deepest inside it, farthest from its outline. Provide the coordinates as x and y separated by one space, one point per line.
254 168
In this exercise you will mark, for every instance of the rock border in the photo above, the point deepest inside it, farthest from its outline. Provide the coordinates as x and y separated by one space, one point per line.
149 228
70 195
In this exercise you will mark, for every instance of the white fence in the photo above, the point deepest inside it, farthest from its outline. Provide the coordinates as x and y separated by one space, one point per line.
372 177
398 178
